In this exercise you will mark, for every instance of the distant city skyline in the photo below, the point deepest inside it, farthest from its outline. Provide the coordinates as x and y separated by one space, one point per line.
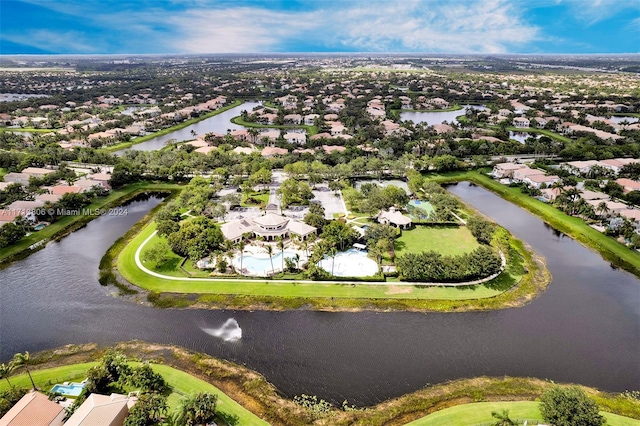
296 26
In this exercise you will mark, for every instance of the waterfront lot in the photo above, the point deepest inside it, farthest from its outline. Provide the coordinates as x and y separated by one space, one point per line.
447 240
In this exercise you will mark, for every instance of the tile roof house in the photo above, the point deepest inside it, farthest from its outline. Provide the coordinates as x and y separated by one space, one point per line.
270 226
395 218
65 189
628 185
525 172
34 409
521 122
21 178
538 180
579 167
506 170
270 151
37 171
102 410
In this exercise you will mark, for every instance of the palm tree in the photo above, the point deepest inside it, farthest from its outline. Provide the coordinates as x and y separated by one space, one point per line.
6 370
377 253
241 245
270 253
297 258
503 419
332 252
19 360
603 209
281 248
229 247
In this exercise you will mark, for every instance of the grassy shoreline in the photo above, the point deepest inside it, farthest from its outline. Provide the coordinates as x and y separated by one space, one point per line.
168 130
525 277
480 413
68 224
450 109
611 250
253 392
311 130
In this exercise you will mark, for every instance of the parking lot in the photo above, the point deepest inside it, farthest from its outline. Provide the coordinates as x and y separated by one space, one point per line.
330 200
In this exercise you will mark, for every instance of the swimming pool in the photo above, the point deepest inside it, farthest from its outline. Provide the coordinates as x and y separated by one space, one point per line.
261 265
350 263
70 389
39 226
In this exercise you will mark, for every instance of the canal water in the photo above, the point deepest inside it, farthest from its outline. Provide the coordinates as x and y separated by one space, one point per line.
218 123
437 117
585 328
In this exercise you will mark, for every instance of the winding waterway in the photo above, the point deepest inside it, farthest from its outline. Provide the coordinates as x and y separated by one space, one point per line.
218 123
585 328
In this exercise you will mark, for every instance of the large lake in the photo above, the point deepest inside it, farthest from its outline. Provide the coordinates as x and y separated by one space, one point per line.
218 123
585 328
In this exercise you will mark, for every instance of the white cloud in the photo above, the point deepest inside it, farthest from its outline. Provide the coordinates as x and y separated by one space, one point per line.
238 30
594 11
458 26
492 26
54 41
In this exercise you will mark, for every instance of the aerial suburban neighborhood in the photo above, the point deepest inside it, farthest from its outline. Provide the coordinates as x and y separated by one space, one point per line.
355 238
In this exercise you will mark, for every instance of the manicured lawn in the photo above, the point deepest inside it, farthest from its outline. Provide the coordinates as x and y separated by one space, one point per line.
451 241
261 287
260 196
58 227
480 413
45 379
181 383
545 132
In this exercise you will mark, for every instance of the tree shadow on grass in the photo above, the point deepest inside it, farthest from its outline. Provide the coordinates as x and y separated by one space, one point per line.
173 264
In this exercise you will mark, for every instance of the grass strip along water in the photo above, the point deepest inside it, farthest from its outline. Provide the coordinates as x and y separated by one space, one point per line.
478 413
255 401
610 249
70 223
311 130
168 130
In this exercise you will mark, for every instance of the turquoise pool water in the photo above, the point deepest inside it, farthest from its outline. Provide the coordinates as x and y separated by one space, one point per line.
72 389
261 265
39 226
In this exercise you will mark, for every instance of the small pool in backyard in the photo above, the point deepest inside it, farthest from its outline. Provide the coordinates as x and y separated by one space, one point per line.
420 209
350 263
68 389
261 264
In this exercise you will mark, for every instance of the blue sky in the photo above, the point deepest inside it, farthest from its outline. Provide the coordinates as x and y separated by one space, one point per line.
246 26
